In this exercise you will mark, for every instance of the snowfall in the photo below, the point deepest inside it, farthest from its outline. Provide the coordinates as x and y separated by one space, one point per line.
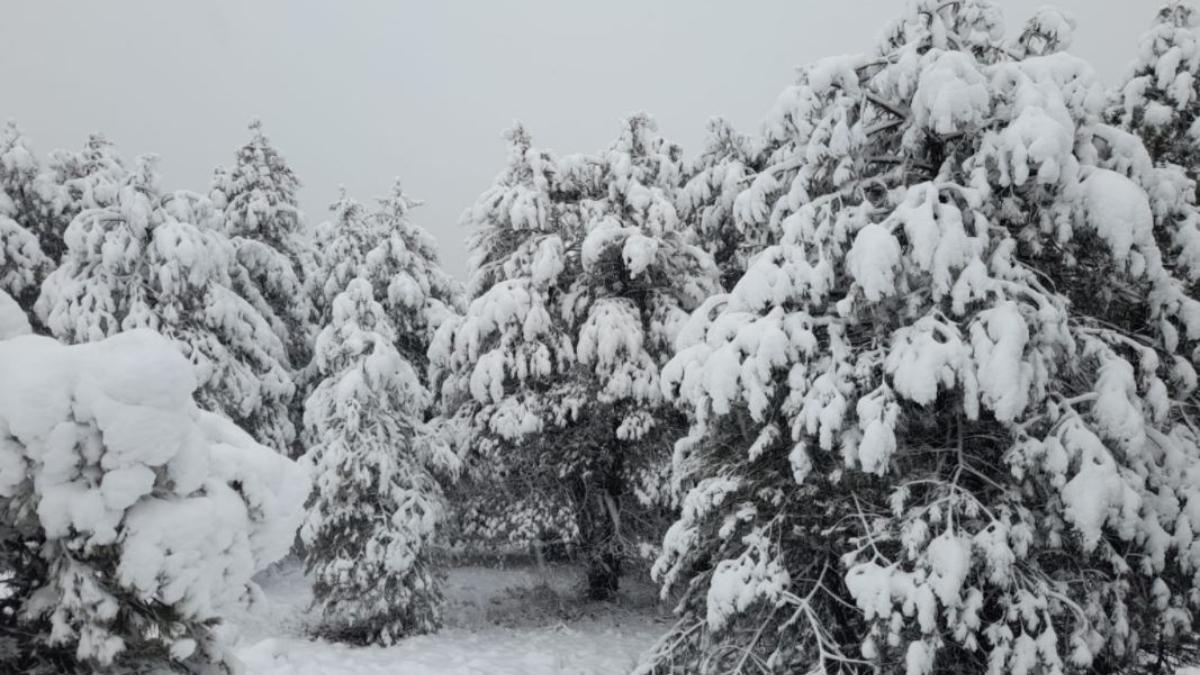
498 621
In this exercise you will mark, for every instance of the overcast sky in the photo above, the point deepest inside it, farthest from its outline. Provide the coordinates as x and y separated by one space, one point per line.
356 93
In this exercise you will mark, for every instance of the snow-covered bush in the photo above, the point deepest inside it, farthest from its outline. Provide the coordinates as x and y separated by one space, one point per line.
149 261
375 502
945 423
131 518
582 272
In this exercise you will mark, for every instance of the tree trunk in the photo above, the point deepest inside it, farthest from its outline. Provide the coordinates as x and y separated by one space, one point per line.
597 516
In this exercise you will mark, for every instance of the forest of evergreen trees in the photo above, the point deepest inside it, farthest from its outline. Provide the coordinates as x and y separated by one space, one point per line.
904 381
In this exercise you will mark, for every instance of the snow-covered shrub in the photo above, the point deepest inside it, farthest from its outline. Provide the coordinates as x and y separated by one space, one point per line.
375 502
131 518
582 272
944 424
149 261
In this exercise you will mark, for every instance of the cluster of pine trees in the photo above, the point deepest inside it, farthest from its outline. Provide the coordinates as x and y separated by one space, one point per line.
312 340
905 382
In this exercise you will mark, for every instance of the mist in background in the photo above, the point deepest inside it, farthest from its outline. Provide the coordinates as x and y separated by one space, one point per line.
357 93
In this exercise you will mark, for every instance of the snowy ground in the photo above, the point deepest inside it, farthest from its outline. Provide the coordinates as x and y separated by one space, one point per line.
498 622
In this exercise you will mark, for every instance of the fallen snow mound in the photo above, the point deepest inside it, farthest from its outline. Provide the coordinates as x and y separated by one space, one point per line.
13 321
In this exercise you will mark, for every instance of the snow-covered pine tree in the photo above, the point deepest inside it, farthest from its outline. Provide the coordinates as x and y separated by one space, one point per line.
1159 102
583 273
405 269
241 364
944 424
37 205
706 202
341 244
23 264
75 181
97 291
262 218
149 262
375 502
1159 99
639 277
520 230
131 519
1049 31
399 259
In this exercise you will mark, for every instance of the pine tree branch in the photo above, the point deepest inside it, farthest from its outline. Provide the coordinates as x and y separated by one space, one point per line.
894 108
883 126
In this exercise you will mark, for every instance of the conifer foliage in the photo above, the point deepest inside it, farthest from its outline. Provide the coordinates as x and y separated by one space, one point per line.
944 423
257 197
708 200
375 502
132 519
911 371
582 273
148 260
73 182
1160 97
23 263
1159 102
400 260
520 230
405 268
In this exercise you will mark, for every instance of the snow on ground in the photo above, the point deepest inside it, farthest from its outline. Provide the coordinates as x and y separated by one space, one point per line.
498 622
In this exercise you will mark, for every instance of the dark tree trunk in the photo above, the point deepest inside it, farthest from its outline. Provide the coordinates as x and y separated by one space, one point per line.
598 517
603 563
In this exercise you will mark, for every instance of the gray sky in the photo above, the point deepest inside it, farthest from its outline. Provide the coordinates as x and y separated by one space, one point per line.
356 93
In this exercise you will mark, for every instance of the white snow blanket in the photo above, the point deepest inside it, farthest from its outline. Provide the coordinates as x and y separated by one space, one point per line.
13 321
